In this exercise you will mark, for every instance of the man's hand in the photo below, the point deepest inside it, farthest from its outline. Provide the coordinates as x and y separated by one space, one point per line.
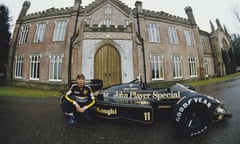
78 108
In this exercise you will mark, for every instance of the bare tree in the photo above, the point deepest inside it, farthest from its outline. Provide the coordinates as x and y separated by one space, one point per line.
236 12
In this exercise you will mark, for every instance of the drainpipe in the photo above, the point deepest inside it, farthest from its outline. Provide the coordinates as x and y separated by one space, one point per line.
138 6
73 37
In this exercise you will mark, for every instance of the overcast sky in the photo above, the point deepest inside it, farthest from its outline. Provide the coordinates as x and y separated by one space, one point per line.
203 10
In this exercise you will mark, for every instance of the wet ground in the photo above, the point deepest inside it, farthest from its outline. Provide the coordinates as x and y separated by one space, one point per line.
40 121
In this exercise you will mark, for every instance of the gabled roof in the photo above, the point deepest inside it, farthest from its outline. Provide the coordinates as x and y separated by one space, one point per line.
96 3
148 13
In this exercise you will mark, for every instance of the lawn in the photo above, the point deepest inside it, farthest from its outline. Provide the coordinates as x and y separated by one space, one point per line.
27 92
213 80
194 83
30 92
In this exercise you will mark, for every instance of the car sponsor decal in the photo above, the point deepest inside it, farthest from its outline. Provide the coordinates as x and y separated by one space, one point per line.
185 105
111 111
153 95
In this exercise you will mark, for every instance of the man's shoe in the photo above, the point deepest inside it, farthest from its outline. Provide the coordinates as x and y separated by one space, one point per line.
88 117
71 120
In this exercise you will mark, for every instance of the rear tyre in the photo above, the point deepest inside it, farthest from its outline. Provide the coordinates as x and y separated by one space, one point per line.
192 115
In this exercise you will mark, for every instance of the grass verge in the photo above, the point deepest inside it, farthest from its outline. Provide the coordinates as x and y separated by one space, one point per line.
212 80
194 83
27 92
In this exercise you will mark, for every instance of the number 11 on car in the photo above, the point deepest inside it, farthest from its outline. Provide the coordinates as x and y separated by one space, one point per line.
147 116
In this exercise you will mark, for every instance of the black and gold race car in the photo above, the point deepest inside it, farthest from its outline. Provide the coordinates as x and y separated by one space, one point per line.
192 112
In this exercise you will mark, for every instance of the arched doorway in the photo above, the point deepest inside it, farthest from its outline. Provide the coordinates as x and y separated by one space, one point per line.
107 65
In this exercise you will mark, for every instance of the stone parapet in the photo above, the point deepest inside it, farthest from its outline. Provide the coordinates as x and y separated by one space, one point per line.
165 16
49 12
109 35
111 28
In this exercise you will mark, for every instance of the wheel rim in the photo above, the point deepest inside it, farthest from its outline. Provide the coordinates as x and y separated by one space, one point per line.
193 121
195 117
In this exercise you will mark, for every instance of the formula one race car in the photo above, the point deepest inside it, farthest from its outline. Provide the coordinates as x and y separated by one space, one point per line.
192 112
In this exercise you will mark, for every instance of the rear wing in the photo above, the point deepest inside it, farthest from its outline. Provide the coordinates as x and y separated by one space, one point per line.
95 84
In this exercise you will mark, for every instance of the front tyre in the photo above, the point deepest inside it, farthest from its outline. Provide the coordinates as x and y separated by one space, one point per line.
192 115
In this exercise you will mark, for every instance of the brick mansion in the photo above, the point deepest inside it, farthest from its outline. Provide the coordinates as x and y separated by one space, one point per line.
108 40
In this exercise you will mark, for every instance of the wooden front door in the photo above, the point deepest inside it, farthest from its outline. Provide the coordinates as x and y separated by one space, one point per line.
107 65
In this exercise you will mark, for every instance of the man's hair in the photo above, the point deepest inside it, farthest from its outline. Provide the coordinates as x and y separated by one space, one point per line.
81 76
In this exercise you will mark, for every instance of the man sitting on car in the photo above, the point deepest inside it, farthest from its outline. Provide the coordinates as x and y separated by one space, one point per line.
79 98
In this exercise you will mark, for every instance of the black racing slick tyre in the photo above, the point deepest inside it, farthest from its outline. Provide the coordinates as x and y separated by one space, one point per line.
192 115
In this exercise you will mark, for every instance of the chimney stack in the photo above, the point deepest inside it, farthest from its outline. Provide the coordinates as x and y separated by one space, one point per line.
24 10
188 11
76 4
138 5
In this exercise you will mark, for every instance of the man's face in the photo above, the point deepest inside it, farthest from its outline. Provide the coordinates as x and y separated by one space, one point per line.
80 82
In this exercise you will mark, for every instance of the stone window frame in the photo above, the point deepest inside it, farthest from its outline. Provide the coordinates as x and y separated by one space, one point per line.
177 66
18 66
34 69
157 66
60 30
154 33
172 35
188 37
192 61
24 33
206 64
108 22
40 32
55 66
